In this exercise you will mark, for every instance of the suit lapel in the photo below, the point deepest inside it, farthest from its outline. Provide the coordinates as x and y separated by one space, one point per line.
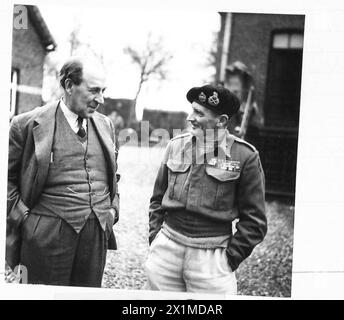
43 134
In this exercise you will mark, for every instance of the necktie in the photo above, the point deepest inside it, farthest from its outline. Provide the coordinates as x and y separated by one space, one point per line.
81 132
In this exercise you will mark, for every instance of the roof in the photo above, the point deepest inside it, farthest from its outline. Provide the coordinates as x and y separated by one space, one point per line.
41 28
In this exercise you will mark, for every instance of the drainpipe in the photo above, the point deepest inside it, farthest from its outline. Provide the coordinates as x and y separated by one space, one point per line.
226 44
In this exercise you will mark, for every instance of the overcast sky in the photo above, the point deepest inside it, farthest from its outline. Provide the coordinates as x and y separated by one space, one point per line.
188 36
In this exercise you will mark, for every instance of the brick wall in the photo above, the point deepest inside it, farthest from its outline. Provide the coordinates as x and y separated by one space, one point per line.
251 40
28 56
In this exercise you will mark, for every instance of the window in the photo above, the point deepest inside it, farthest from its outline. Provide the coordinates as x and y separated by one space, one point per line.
14 85
287 41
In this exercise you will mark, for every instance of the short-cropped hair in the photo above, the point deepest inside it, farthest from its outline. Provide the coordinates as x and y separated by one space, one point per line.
72 70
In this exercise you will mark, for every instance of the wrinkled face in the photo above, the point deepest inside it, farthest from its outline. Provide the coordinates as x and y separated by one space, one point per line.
201 119
88 96
235 85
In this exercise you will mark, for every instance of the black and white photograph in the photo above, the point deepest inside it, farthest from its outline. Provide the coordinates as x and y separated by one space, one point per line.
153 149
108 203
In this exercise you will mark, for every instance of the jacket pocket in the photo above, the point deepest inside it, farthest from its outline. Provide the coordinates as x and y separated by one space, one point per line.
219 188
177 176
154 240
29 226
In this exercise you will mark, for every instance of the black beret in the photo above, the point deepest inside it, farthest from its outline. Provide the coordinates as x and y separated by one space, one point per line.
216 98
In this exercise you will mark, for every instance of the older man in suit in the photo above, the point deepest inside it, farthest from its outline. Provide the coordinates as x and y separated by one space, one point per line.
62 188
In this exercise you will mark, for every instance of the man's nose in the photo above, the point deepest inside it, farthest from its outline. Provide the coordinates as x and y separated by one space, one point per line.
190 117
100 98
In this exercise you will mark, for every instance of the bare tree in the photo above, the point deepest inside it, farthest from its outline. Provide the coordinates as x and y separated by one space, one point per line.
78 46
152 62
74 40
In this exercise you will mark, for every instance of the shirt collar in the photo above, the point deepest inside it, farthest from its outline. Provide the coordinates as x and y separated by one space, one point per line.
206 147
70 115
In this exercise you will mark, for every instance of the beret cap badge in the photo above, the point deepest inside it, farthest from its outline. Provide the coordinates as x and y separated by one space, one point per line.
214 99
202 97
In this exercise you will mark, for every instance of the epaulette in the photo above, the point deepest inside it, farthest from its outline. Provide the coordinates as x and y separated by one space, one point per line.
252 147
182 135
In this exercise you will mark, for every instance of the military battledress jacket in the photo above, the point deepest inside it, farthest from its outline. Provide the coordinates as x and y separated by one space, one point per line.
217 184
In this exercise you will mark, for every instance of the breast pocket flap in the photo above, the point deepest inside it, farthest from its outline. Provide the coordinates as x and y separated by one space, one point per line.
222 175
177 166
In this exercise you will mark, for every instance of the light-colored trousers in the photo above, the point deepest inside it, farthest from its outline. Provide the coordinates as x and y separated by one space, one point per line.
172 266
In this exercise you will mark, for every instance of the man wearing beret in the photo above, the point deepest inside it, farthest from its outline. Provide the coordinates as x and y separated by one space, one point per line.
207 179
62 198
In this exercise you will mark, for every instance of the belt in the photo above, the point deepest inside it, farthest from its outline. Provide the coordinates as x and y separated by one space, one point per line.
202 243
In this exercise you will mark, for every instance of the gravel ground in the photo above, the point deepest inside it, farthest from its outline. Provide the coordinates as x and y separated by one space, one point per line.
267 272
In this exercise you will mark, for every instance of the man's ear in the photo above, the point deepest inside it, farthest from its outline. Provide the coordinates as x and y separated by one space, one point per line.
223 121
68 85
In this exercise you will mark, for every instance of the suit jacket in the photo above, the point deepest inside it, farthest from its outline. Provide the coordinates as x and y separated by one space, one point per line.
30 142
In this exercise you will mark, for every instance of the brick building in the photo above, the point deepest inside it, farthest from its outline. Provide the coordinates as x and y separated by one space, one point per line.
271 46
30 46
